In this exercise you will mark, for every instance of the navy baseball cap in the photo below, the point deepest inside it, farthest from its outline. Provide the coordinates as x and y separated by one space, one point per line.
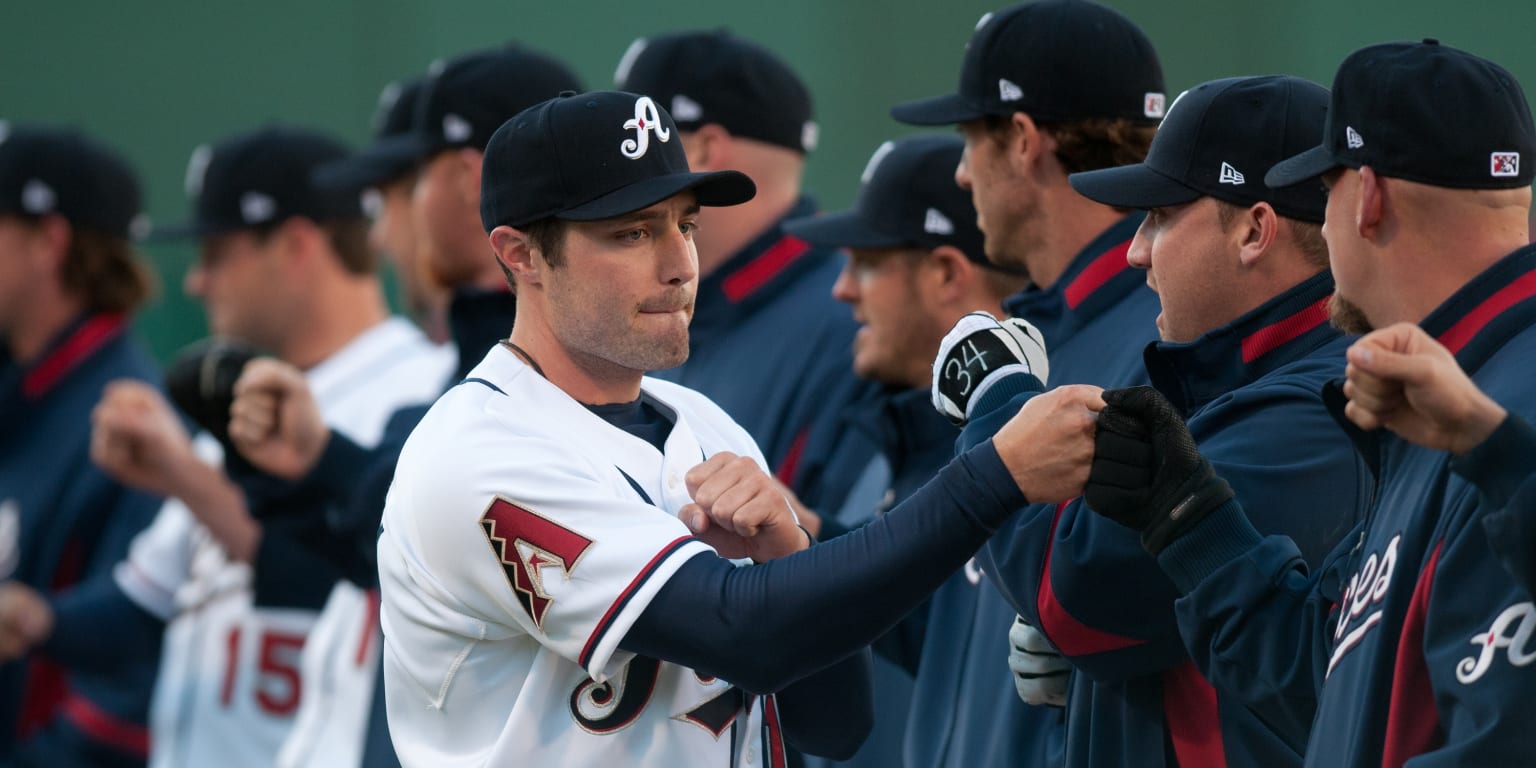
466 99
377 164
1423 112
1057 60
1217 141
260 179
908 199
593 156
716 77
46 170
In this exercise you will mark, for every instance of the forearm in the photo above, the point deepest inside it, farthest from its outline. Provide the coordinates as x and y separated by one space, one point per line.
220 506
1499 465
748 625
831 712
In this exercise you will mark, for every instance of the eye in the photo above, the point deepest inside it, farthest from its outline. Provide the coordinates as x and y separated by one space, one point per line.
632 235
689 228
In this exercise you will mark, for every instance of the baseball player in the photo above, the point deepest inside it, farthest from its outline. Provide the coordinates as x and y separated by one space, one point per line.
1240 272
277 424
763 302
552 561
1411 642
68 214
915 266
230 681
1045 89
1401 379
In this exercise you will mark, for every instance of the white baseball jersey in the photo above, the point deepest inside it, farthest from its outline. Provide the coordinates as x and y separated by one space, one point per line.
522 537
230 679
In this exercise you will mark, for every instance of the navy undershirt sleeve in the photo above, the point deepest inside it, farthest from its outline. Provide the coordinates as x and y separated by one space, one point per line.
765 626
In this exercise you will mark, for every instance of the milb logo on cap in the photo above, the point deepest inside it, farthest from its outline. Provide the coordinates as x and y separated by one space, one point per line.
1504 164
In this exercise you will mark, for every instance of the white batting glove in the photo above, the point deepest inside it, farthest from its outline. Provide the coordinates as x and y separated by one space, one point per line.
1039 672
978 353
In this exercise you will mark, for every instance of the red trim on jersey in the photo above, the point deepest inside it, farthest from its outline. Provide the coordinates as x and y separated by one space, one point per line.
1189 711
785 472
1413 724
88 338
1466 328
107 728
1265 340
618 604
370 622
1093 277
776 758
757 272
47 685
1070 636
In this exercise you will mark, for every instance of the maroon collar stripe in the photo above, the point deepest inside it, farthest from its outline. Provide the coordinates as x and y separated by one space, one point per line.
1467 328
88 338
1265 340
1093 277
757 272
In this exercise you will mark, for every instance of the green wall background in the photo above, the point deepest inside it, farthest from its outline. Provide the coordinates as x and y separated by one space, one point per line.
157 77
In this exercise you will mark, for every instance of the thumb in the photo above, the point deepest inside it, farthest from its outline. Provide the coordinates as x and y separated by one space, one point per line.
1386 364
693 516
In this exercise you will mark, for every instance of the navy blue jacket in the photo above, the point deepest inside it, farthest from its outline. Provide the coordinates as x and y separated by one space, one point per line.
1252 394
1411 641
1096 319
63 522
770 346
1503 468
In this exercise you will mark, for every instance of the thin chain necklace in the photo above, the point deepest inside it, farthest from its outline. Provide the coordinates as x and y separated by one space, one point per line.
524 355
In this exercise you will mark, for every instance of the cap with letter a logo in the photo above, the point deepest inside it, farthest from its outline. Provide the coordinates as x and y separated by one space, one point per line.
593 156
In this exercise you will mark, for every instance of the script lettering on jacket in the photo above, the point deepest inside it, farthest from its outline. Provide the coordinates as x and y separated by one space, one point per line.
1511 632
1360 608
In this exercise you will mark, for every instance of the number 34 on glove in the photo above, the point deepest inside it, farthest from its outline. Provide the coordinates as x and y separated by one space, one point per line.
978 354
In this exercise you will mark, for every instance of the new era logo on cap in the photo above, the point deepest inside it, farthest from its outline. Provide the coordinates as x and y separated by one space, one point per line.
38 198
257 208
1504 164
686 109
937 223
1008 91
1230 175
456 129
1352 138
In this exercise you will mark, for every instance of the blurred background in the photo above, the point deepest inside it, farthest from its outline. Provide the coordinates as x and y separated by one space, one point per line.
155 78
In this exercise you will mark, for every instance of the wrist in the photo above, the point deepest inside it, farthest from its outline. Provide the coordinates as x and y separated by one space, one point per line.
1484 418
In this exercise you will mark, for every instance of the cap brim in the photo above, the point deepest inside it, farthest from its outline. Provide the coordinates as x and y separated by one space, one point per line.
380 162
1132 186
940 110
715 189
385 159
190 230
1307 165
841 230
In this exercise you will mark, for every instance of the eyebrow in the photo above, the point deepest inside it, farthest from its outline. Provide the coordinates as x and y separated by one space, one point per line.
654 215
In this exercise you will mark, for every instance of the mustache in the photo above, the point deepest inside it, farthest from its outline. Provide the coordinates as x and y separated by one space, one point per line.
671 302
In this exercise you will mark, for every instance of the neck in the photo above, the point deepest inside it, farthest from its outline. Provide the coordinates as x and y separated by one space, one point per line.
341 312
723 232
1422 269
1069 223
46 317
586 379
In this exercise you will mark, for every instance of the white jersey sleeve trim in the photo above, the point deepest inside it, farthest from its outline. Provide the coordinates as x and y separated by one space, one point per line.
598 657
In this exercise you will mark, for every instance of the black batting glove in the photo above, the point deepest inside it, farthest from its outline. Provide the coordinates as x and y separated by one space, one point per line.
1147 474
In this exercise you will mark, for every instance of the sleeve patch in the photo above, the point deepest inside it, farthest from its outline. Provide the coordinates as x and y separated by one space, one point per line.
527 544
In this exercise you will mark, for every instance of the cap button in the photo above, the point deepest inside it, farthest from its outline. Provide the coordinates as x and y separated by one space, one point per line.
1431 41
567 94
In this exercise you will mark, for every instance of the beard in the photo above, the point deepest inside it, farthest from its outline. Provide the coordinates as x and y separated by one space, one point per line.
1347 316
